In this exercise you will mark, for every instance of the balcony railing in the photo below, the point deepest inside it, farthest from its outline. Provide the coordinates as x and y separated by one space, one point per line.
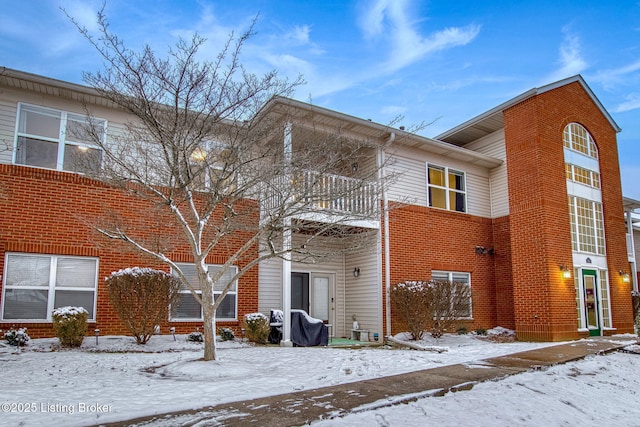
325 193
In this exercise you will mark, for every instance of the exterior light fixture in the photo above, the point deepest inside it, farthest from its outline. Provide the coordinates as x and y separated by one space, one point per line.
625 276
173 332
96 332
356 272
566 273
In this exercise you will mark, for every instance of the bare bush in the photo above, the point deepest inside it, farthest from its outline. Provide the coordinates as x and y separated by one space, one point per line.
430 306
141 297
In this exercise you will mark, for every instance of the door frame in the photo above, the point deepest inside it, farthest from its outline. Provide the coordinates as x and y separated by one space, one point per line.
311 275
594 330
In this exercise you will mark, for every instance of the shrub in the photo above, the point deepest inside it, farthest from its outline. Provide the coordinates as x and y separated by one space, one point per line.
70 324
449 302
141 298
462 331
17 337
481 331
195 336
411 300
257 327
433 305
226 334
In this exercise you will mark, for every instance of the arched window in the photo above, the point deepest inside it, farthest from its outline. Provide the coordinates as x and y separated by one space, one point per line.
577 138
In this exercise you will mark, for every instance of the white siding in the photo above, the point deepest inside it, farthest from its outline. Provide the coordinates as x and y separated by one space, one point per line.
363 294
411 184
8 112
494 145
270 285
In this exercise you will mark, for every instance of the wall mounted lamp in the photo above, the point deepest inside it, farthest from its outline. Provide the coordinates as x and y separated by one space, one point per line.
625 276
356 272
566 273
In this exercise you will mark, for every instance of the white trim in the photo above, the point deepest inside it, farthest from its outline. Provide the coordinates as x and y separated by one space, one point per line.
51 287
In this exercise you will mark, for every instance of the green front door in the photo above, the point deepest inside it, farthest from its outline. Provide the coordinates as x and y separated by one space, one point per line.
592 302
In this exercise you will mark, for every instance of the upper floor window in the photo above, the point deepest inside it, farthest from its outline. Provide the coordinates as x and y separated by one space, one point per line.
35 285
446 188
582 175
188 308
587 226
58 140
577 138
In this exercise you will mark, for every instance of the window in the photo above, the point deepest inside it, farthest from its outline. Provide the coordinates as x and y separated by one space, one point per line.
582 175
446 188
577 138
456 277
35 285
587 226
55 139
188 308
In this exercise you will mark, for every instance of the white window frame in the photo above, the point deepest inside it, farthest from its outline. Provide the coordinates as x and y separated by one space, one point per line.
449 275
61 140
597 217
447 187
185 290
569 140
50 288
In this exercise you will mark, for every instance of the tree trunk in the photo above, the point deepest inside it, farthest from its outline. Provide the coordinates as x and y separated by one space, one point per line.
209 318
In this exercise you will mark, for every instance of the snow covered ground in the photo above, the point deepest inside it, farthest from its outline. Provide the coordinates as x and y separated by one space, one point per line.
42 384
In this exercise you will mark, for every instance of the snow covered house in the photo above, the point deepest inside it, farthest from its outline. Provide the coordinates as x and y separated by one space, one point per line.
523 203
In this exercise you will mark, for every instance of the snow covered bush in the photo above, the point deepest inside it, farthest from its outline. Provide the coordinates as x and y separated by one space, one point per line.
195 336
141 298
434 305
226 334
257 327
70 324
17 337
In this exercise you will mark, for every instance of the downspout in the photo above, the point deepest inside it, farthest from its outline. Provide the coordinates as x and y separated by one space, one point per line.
632 274
387 262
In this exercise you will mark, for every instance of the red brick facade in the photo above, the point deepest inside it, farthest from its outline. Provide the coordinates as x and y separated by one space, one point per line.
521 285
51 212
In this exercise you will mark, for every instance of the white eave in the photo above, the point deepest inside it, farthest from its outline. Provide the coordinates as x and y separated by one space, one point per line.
376 131
39 84
492 120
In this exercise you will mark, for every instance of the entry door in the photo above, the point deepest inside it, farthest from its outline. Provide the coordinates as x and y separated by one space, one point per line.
321 296
313 293
592 302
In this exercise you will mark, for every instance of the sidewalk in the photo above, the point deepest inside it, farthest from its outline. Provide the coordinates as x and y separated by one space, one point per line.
299 408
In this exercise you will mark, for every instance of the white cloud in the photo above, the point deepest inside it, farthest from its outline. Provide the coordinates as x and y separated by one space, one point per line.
390 19
571 60
632 102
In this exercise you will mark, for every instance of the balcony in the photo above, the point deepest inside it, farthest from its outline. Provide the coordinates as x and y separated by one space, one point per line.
335 196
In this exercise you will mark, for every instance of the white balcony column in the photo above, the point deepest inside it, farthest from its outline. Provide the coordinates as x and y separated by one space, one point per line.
286 247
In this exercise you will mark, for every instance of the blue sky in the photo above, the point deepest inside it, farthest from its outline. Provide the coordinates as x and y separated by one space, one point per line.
440 61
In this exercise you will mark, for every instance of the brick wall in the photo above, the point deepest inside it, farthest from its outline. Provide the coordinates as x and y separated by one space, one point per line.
51 212
544 302
424 239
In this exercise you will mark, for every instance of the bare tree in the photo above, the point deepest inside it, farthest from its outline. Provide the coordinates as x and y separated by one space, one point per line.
208 149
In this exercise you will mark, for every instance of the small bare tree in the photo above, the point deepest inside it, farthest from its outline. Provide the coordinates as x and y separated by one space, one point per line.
206 147
412 301
449 302
430 306
141 298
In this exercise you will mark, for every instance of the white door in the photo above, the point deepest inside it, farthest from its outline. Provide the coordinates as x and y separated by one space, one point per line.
322 296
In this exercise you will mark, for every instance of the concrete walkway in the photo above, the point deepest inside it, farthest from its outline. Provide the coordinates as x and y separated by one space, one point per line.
303 407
